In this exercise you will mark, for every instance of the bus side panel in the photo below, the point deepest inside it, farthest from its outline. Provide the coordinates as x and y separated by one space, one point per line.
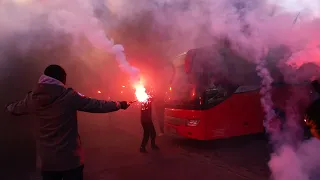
221 121
249 113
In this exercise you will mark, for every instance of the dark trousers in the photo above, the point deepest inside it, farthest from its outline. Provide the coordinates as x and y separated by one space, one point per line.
73 174
148 131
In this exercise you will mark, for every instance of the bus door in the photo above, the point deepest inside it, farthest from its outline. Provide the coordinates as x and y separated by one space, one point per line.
219 109
248 110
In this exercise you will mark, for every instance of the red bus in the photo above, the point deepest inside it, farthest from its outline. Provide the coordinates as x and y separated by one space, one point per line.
214 94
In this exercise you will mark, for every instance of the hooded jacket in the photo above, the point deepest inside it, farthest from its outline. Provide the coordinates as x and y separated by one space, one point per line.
55 108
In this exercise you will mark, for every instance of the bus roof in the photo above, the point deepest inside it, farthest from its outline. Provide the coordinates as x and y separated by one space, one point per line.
179 60
182 54
237 65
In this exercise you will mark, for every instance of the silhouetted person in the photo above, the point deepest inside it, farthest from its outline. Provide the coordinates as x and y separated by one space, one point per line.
312 117
148 127
316 87
55 107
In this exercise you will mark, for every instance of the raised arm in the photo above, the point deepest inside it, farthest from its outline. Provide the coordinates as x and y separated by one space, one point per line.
22 107
86 104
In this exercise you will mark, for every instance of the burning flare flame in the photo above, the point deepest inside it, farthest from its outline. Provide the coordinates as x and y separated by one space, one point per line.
140 93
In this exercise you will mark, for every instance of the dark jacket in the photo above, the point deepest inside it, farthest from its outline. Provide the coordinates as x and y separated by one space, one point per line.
55 107
146 111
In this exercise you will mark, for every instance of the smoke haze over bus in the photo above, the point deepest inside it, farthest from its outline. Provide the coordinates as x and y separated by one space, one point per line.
36 33
258 30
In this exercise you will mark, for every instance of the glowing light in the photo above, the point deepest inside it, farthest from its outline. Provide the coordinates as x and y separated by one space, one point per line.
170 89
123 86
140 93
99 92
121 92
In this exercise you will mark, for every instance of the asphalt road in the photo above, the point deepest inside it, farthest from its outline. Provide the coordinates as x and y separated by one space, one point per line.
111 143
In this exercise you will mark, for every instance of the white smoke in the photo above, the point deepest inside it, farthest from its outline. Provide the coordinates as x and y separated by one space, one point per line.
254 27
69 17
301 163
270 25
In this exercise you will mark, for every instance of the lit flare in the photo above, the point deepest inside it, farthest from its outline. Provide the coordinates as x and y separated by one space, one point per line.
140 93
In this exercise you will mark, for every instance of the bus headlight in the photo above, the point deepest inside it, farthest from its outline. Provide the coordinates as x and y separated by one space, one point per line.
192 122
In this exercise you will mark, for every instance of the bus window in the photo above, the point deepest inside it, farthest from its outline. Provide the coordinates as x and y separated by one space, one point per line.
204 83
200 82
182 92
180 80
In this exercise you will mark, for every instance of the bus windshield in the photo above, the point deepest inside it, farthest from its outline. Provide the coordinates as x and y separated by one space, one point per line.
180 80
205 74
181 84
206 69
188 86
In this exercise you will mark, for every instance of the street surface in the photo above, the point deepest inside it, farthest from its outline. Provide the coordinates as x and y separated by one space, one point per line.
111 143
